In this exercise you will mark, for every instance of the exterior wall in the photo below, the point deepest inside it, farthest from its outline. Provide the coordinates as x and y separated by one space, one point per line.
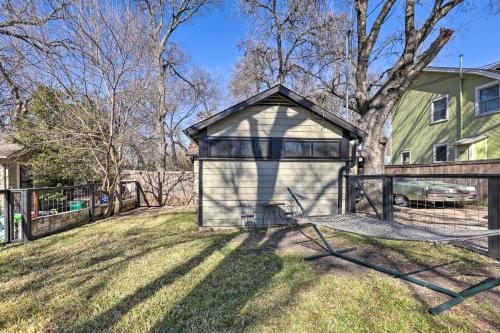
231 187
229 184
411 120
196 182
488 125
275 121
3 177
12 176
8 176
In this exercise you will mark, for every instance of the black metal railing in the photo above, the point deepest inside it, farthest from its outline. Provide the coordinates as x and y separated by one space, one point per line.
444 201
26 214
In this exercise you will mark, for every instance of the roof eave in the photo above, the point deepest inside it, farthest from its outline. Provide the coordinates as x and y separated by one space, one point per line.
194 130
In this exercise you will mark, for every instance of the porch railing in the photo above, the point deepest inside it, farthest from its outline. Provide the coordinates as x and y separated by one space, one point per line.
444 201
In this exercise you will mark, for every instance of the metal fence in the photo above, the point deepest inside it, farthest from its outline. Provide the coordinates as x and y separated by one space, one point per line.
26 214
443 201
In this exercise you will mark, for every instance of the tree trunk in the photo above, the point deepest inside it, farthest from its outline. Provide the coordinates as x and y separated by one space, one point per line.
373 148
118 191
172 149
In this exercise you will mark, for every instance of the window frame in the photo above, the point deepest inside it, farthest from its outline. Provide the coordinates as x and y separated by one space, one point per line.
476 98
401 156
240 156
312 157
446 109
437 145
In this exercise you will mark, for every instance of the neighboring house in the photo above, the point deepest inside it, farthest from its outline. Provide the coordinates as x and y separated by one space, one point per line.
12 171
251 152
448 115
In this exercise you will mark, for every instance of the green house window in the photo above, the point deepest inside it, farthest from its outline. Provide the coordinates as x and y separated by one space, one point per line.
439 109
488 99
405 157
440 152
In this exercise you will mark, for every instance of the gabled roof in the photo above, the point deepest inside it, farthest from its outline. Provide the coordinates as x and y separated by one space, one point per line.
490 72
275 95
7 148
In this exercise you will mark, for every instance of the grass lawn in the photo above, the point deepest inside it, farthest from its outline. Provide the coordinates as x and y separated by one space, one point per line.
156 272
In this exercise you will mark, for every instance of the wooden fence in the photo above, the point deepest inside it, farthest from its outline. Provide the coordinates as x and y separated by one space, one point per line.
172 188
465 167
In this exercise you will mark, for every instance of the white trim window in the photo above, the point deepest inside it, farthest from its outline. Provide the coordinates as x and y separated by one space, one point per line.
405 157
440 152
487 98
439 109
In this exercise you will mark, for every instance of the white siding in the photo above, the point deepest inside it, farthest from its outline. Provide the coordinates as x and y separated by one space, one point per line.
3 177
8 176
227 183
275 121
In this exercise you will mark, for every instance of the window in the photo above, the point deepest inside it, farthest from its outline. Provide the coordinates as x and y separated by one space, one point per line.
439 109
405 157
487 99
440 152
311 149
239 148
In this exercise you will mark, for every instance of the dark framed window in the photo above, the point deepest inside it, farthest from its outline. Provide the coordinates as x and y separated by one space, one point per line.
232 148
440 152
405 157
320 149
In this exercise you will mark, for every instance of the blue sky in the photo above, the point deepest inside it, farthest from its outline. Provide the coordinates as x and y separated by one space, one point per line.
211 39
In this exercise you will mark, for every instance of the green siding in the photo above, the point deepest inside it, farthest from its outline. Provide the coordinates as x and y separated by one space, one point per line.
411 120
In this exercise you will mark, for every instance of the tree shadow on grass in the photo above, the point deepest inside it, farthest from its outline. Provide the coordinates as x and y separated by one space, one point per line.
108 318
216 303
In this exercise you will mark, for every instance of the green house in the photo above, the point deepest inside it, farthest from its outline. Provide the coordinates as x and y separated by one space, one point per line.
448 115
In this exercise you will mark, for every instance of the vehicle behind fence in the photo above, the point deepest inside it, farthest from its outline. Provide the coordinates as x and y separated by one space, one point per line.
440 201
27 214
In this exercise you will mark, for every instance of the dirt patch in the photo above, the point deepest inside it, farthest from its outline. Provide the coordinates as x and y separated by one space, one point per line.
450 272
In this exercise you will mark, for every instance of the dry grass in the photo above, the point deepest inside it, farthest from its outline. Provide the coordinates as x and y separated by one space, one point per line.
158 273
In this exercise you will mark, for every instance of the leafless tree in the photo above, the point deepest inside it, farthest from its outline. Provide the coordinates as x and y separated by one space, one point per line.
24 35
164 19
101 78
296 43
374 98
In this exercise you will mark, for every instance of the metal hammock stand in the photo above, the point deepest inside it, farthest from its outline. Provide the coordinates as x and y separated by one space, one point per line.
371 227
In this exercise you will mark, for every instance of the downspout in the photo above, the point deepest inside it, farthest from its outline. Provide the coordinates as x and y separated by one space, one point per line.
345 170
460 102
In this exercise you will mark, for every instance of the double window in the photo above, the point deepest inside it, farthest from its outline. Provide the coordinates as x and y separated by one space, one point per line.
239 148
488 99
324 149
439 109
261 148
440 152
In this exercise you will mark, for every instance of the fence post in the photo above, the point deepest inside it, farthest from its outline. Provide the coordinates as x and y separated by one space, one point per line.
388 212
26 214
91 203
494 215
137 194
6 217
350 196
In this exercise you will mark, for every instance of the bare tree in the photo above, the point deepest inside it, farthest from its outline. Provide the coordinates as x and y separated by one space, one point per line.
374 98
164 18
297 43
24 35
100 78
